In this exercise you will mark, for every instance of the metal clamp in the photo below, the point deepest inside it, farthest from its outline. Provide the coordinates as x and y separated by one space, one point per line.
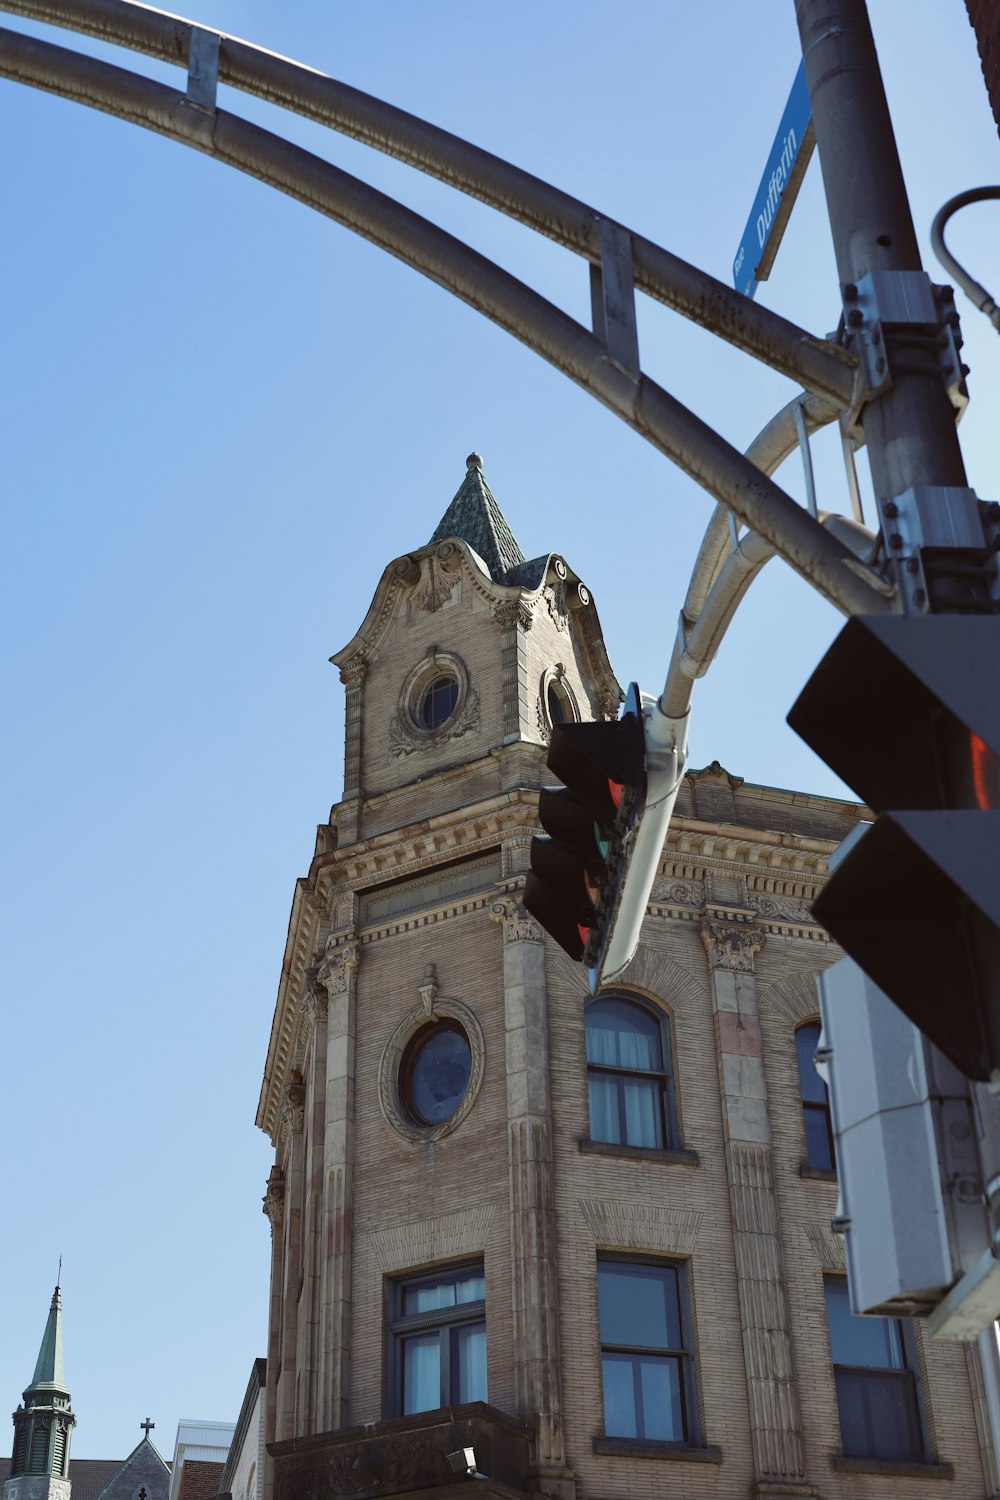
612 298
942 537
203 69
883 304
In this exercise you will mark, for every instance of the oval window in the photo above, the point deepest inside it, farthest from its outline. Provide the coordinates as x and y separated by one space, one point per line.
437 701
435 1073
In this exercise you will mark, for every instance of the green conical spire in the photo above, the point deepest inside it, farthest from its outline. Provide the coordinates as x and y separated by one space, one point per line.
475 516
43 1424
48 1374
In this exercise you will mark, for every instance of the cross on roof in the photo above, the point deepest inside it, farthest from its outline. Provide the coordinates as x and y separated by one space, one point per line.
147 1426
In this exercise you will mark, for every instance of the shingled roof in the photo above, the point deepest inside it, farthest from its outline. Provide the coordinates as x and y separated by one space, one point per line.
87 1475
477 519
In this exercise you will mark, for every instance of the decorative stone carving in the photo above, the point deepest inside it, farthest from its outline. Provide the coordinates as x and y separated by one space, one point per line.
555 603
334 972
677 892
354 671
608 701
642 1226
403 739
314 1005
518 926
731 946
273 1202
432 1007
512 613
782 908
293 1109
717 771
436 587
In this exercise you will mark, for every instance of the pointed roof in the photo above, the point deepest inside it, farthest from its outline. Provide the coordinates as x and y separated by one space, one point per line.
475 517
48 1374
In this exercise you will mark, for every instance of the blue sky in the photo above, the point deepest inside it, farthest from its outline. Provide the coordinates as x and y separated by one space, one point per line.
223 416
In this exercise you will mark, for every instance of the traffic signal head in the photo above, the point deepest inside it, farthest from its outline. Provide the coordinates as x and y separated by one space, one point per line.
906 710
603 770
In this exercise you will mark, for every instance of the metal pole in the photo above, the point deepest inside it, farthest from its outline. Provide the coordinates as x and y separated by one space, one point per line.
909 427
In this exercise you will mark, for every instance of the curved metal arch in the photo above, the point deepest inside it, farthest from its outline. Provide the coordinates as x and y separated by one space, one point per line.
658 417
821 366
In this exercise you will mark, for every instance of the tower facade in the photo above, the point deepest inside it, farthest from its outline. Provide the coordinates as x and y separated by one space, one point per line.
527 1239
39 1468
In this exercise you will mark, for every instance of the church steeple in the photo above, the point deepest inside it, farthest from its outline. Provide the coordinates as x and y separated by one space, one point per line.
477 519
43 1424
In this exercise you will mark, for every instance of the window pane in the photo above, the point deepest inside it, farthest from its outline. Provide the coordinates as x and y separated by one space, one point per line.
812 1087
619 1396
662 1407
604 1124
470 1286
875 1342
428 1296
623 1035
422 1373
818 1152
643 1114
468 1362
439 1075
878 1414
639 1305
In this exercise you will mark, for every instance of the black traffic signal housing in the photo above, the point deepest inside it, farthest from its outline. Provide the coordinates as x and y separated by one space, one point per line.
906 708
577 867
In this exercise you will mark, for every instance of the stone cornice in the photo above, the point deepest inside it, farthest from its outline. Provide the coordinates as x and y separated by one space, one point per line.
783 873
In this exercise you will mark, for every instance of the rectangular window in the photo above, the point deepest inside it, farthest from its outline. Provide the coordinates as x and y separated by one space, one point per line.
438 1340
645 1358
874 1369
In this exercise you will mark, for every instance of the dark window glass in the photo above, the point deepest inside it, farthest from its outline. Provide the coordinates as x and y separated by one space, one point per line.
645 1365
558 706
436 1069
874 1372
815 1100
629 1075
437 702
438 1336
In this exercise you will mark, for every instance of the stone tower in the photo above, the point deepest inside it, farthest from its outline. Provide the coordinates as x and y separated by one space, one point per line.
39 1466
525 1240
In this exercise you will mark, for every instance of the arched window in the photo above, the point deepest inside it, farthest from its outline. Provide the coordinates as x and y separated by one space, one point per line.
629 1074
815 1101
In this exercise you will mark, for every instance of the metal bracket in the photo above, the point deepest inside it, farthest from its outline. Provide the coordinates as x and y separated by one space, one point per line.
882 304
203 69
612 297
932 530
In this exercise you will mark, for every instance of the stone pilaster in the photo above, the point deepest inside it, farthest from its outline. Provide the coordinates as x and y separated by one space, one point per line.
337 975
534 1282
292 1120
274 1208
731 941
309 1400
352 675
513 618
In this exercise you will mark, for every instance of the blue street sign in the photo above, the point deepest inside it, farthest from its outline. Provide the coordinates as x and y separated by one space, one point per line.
778 190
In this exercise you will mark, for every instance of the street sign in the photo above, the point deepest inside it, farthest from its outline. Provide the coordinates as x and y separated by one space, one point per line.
779 187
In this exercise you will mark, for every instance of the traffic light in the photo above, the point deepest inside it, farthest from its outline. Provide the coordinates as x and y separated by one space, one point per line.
591 876
907 710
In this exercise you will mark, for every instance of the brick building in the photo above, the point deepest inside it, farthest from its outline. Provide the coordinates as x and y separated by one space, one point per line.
581 1248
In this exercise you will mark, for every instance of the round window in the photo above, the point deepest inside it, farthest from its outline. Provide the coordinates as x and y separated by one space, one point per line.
437 701
435 1073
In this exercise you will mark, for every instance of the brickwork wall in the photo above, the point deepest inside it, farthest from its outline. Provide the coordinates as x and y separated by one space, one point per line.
985 18
199 1479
